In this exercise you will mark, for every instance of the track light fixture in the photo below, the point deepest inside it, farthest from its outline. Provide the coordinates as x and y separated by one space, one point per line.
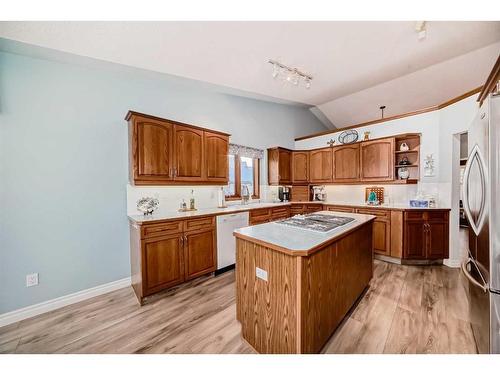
291 75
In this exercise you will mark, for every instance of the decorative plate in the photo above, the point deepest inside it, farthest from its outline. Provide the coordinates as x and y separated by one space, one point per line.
348 136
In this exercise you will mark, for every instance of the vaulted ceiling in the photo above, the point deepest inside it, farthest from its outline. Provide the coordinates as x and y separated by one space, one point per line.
357 66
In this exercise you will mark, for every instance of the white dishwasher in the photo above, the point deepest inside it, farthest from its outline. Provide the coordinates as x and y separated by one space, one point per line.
226 243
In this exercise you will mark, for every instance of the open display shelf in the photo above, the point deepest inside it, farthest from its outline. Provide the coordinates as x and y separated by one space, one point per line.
412 154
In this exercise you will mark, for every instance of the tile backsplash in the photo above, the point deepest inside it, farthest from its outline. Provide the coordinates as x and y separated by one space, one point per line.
396 194
170 197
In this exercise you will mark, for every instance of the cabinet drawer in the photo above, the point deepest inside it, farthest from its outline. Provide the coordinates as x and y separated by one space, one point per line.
155 230
430 215
340 209
280 211
296 209
382 214
259 214
259 220
313 207
199 223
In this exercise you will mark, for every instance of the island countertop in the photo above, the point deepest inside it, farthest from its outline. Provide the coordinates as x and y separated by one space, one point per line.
297 241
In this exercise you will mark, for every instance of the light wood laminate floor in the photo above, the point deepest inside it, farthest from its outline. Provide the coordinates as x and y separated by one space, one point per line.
406 309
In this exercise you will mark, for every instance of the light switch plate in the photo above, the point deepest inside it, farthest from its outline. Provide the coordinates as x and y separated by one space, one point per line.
260 273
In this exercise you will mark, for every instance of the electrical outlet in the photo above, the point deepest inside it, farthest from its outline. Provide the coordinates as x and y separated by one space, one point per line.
260 273
31 279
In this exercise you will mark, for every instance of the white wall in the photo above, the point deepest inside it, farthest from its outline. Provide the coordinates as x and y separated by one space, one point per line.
438 129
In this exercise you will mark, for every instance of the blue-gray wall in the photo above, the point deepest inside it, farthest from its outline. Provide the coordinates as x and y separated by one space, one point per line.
63 163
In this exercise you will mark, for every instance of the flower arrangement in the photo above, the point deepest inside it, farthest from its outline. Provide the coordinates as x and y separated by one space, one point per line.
147 205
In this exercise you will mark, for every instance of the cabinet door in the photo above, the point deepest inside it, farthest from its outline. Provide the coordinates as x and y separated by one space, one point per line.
300 167
199 253
162 263
216 151
381 229
285 167
414 240
153 151
437 240
320 165
377 160
189 154
273 166
346 163
382 237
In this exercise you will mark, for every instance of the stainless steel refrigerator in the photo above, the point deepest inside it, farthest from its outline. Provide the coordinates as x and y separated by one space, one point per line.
481 200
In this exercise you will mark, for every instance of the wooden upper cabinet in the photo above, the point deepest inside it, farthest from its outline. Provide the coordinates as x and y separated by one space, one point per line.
151 150
346 163
320 165
285 167
300 167
189 152
377 160
166 152
216 151
272 166
279 166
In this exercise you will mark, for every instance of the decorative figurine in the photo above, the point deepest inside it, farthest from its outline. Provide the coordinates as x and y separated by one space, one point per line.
366 136
404 147
404 161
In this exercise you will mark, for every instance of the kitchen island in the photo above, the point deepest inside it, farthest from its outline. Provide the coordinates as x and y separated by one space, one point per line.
294 286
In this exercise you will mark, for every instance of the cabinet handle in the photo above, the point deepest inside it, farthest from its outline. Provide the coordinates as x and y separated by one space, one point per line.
185 239
182 240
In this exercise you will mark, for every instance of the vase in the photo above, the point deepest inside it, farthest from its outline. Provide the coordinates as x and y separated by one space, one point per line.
404 173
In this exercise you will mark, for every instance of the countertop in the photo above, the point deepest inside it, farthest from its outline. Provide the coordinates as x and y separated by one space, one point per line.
206 212
173 215
298 241
388 206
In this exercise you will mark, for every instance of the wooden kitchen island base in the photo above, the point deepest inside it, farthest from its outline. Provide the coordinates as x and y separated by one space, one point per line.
305 296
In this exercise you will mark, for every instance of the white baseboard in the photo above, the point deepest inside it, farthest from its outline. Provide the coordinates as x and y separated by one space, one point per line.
56 303
452 263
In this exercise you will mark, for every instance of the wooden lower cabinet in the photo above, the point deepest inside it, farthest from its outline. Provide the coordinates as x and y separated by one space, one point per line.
426 235
381 230
414 240
406 234
163 262
306 208
339 208
168 253
259 216
265 215
199 253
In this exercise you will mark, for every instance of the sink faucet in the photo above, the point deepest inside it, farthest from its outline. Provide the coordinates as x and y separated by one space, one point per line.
245 194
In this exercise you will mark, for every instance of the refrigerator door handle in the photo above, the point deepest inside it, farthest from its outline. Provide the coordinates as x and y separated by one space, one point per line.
483 287
474 157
